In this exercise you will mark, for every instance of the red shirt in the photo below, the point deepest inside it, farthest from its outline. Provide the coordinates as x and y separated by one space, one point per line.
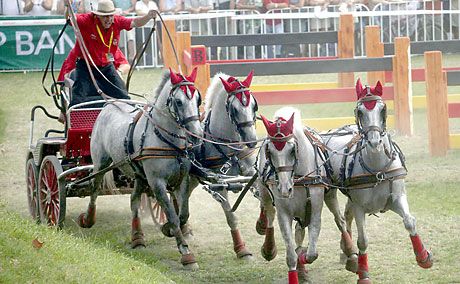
272 22
70 62
96 47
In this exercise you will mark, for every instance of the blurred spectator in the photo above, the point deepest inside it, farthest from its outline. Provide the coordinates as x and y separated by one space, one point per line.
221 26
142 8
294 26
198 27
274 25
38 8
89 5
126 6
13 7
318 24
170 6
78 6
248 27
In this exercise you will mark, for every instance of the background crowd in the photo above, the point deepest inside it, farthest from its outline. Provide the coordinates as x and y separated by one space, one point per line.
50 7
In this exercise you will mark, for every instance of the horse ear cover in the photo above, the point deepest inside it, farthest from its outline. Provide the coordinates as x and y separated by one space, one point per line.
192 76
227 86
378 89
248 80
175 78
359 88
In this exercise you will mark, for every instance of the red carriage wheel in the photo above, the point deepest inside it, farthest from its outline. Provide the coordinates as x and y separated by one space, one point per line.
51 195
31 182
158 215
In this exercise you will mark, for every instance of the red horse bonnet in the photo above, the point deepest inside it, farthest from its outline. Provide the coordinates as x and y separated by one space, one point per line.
232 85
279 129
177 78
368 91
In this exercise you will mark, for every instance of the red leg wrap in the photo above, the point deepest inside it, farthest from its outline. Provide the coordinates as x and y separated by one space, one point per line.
292 277
419 250
363 268
238 244
422 256
136 224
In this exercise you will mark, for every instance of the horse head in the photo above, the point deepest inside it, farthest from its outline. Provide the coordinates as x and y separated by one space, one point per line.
241 107
371 114
183 103
281 153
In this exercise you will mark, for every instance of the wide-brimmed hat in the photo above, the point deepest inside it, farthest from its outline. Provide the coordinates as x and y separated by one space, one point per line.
105 8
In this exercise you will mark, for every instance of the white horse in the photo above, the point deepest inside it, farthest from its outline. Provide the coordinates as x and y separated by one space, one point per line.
371 173
292 179
230 115
159 139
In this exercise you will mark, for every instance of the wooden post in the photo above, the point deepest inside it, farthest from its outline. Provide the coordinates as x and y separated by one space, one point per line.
346 47
436 109
183 42
374 48
169 58
402 82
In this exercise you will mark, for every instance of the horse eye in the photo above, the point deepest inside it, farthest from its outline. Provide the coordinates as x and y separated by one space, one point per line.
179 103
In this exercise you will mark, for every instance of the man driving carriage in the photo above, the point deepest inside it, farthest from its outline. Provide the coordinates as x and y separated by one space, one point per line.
100 32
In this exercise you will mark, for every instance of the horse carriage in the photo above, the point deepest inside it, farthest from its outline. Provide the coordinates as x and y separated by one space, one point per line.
125 146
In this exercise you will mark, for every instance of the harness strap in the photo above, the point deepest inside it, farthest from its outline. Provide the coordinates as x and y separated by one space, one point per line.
366 181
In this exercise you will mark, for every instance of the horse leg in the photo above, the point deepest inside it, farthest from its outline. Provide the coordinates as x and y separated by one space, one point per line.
238 244
285 223
363 267
182 198
299 237
87 220
137 236
346 243
268 249
261 223
423 257
314 227
172 227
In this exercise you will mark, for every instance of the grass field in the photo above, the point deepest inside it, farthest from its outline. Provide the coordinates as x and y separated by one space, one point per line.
102 254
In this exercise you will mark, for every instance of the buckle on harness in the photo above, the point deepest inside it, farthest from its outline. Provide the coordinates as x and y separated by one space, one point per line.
226 167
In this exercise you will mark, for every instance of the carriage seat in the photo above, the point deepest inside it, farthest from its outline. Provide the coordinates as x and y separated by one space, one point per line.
79 132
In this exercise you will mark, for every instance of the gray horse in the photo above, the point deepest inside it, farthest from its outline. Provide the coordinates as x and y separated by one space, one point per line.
370 170
142 144
292 179
229 129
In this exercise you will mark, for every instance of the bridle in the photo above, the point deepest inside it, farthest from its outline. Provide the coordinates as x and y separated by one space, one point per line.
231 111
276 170
173 107
358 115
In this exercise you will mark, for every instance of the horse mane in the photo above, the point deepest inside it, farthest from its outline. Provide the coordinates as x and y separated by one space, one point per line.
164 79
213 92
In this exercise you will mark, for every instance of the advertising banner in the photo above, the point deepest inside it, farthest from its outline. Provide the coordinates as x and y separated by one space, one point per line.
26 43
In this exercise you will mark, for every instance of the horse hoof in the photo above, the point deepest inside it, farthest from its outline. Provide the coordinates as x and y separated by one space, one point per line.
352 263
269 255
189 262
364 281
166 229
191 266
83 222
138 242
427 262
261 225
247 256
